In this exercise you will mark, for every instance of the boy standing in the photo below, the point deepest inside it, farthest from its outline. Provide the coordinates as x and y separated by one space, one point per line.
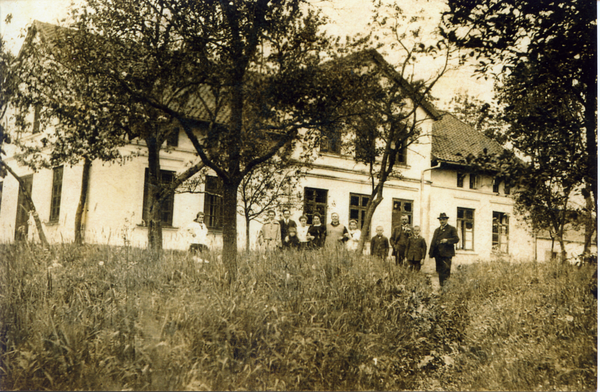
416 249
380 245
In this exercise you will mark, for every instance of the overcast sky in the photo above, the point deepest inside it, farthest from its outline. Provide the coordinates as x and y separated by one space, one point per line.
348 17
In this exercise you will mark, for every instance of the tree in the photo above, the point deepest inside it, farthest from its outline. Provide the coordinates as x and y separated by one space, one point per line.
385 120
547 82
10 68
270 186
543 56
483 116
242 78
83 118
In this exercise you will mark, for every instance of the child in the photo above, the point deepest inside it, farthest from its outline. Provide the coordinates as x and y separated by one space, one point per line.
380 245
302 231
416 249
293 241
354 233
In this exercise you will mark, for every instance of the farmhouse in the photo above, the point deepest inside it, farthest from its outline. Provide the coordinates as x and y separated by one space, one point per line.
433 179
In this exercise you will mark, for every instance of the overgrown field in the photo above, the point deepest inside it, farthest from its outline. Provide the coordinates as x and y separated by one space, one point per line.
104 318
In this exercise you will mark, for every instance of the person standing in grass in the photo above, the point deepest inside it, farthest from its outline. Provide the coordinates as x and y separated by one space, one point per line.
269 237
197 233
399 239
354 233
416 249
285 224
337 233
302 231
316 233
380 245
442 247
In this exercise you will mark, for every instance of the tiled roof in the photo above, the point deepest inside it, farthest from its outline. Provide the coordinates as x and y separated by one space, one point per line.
453 140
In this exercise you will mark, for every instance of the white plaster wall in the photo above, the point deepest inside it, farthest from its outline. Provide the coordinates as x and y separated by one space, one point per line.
447 197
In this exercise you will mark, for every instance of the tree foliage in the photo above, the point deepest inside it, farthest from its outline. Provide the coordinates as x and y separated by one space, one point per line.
543 56
242 78
386 119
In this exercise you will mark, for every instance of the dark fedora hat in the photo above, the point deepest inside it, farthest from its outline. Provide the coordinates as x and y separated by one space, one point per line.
443 216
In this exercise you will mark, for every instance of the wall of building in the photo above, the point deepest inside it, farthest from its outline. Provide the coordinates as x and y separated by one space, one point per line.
447 197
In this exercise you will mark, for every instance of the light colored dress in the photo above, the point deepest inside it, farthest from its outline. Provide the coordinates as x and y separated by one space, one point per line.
269 236
301 233
352 243
197 233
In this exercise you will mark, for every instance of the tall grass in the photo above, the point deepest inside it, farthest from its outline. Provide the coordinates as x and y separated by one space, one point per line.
102 318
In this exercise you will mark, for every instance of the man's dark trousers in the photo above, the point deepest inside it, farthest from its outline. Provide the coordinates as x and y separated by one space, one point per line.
442 267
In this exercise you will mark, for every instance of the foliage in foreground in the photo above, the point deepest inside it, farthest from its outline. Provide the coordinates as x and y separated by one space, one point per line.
118 318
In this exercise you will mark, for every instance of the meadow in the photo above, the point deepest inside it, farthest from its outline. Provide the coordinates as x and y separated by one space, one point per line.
109 318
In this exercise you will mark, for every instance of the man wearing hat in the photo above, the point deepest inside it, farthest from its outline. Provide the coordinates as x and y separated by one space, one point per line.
442 247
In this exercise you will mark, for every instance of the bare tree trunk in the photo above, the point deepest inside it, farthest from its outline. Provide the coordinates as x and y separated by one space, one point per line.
247 232
154 187
590 228
230 229
85 184
32 210
371 207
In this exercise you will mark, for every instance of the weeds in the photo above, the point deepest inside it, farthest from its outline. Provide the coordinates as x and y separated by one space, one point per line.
103 318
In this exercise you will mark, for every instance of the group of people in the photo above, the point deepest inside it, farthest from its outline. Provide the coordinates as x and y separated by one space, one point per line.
287 234
408 246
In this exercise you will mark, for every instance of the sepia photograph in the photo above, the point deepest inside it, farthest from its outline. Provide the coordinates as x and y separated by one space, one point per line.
312 195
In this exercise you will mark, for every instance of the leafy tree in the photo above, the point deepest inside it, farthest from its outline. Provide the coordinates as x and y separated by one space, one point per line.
385 120
270 186
543 56
483 116
10 68
242 78
547 79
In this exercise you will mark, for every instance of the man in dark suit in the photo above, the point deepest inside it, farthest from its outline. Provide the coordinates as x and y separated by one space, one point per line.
285 225
442 247
399 240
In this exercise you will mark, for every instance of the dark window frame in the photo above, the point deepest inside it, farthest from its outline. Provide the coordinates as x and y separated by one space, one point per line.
358 210
400 206
56 195
213 202
315 200
464 217
472 181
167 208
173 137
460 180
500 226
331 142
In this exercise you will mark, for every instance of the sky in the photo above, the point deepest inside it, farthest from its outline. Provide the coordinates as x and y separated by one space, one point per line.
347 18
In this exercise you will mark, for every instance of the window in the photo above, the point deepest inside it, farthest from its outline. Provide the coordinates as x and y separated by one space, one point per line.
166 208
213 202
331 141
460 179
57 180
401 208
402 156
506 189
466 228
472 181
315 200
358 208
173 138
500 232
496 186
